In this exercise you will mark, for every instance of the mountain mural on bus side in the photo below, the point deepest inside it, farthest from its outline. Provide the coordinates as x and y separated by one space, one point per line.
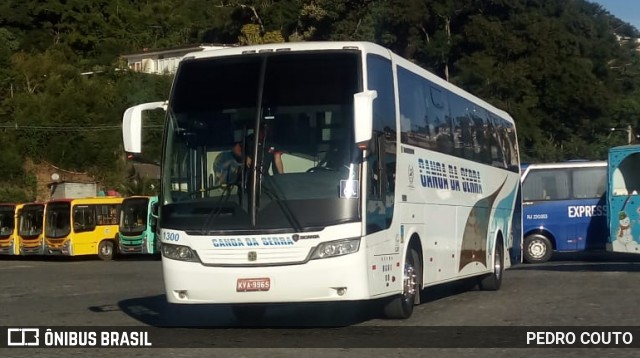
474 239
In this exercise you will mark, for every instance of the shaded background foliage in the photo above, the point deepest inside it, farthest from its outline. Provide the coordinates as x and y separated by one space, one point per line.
558 66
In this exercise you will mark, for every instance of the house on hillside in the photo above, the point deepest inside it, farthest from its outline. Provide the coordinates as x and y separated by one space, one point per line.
147 171
161 61
72 190
623 40
48 177
52 182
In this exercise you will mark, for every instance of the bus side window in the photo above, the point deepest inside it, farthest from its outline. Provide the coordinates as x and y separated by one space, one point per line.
108 214
84 219
382 168
113 214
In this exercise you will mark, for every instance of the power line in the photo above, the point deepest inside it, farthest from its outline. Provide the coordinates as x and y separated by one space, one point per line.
71 128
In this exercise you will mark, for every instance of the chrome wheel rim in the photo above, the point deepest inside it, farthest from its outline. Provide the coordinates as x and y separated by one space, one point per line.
409 290
497 264
537 249
106 249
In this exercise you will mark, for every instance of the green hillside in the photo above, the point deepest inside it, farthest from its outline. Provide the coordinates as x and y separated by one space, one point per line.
566 70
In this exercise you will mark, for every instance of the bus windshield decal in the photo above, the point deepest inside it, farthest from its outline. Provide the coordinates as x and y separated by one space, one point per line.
253 242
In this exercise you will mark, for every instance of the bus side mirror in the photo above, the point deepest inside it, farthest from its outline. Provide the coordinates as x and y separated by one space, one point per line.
154 211
132 125
363 115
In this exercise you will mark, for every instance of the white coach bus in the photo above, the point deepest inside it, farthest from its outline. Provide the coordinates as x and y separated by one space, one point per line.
374 178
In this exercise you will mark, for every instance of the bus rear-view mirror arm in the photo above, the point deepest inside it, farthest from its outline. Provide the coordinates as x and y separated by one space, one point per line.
154 211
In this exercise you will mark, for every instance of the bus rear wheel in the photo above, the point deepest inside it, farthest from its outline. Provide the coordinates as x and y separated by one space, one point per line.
401 306
537 249
105 250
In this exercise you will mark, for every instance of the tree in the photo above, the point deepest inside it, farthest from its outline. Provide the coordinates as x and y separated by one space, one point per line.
567 71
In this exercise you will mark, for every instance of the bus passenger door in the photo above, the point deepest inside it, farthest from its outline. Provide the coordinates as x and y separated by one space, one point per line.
381 167
588 212
84 225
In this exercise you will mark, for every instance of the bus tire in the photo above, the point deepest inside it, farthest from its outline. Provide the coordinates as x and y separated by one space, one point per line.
537 248
106 250
401 306
493 281
248 313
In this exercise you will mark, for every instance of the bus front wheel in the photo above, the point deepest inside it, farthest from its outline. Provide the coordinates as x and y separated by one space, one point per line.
401 306
493 281
537 249
105 250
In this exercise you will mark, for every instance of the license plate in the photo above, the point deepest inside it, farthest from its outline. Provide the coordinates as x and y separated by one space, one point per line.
253 284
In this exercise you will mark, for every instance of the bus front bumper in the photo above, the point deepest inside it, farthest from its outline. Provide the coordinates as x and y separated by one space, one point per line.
8 249
134 247
36 250
63 249
341 278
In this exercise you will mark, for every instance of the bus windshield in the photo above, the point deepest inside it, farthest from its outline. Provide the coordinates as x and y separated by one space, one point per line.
133 216
6 220
31 220
293 113
58 220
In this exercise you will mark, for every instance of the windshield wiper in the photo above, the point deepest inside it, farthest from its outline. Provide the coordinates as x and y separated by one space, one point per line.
279 199
217 209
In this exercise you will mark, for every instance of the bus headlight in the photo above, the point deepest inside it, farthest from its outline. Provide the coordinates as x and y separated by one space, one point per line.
179 252
336 248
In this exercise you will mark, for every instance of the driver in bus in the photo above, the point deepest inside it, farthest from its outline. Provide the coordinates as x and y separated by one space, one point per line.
226 167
